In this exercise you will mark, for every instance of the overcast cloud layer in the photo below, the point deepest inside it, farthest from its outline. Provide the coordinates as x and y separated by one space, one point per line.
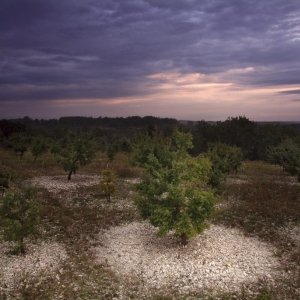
187 59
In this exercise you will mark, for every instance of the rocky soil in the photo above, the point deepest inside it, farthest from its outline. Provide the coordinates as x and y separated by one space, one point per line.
40 262
220 259
55 184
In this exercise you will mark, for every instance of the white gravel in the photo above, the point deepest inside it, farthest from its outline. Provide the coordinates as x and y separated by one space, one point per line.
220 259
39 262
58 183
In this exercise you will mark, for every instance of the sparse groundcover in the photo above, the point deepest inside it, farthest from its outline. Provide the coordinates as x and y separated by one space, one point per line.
130 262
56 183
221 259
291 231
85 190
40 262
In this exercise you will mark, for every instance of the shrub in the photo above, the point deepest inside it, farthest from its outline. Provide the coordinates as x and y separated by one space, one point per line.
107 184
19 216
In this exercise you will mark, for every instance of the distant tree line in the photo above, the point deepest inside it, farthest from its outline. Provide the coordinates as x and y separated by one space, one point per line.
253 138
236 137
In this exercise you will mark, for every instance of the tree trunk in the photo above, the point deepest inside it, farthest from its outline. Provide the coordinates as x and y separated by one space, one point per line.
177 209
183 239
22 246
298 177
70 174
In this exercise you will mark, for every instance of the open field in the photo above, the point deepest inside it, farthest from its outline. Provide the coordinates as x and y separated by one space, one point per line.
89 248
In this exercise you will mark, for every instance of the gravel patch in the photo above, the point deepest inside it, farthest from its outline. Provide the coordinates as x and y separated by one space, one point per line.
220 259
55 184
39 262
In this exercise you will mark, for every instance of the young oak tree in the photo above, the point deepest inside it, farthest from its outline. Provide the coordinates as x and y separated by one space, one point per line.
38 147
19 143
107 184
18 217
225 160
76 149
5 178
172 193
287 155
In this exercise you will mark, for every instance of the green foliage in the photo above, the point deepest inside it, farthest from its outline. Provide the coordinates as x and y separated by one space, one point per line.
76 149
38 147
225 160
2 138
204 134
19 143
271 135
19 216
107 184
170 193
239 132
126 146
111 151
9 127
5 178
287 155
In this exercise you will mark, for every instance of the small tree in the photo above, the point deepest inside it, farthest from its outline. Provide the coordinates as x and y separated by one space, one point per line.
126 146
19 143
107 184
111 151
173 194
19 216
287 155
38 147
5 178
76 149
225 160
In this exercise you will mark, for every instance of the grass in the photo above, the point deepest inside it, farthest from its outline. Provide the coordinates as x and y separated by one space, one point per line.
260 200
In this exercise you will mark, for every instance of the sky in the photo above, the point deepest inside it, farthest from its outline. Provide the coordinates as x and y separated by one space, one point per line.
184 59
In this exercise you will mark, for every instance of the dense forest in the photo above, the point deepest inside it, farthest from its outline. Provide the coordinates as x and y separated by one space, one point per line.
254 138
273 142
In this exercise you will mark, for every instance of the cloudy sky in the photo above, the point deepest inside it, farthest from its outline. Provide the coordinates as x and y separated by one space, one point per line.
186 59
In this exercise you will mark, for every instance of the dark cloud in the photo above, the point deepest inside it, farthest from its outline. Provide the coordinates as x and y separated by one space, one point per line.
86 48
290 92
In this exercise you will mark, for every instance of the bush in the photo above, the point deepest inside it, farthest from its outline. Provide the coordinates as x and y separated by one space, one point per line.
107 184
19 216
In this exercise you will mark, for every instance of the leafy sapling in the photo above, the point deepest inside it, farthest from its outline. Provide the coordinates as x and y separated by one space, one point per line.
19 217
171 194
5 178
76 149
107 184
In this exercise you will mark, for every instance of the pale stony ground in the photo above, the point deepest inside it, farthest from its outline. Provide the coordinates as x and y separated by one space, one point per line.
45 259
40 262
221 259
55 184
